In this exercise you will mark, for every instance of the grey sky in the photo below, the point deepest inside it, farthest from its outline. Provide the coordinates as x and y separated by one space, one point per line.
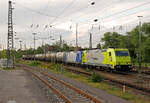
63 16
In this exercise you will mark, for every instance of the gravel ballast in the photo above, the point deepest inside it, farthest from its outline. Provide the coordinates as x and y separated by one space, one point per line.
100 94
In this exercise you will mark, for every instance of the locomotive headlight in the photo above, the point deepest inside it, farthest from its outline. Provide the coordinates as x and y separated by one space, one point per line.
128 62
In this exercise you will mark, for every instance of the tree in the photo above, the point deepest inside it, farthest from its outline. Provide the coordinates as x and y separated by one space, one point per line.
146 50
3 54
111 40
98 46
131 41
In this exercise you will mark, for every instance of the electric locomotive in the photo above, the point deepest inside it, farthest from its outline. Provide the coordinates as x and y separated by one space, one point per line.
110 59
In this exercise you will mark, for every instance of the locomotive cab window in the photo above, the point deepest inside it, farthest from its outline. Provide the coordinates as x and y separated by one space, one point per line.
121 53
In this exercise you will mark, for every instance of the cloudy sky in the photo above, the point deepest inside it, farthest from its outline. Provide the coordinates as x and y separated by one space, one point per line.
52 18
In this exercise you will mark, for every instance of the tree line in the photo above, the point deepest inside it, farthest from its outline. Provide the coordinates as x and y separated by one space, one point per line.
130 40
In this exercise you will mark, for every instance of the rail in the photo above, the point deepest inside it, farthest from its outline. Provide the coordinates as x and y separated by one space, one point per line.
62 82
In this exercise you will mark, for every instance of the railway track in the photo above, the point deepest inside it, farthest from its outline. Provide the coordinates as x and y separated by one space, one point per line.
142 67
136 86
67 92
144 70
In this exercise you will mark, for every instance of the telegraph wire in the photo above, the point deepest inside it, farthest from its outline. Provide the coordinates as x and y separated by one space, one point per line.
63 11
124 10
108 6
35 11
47 5
115 13
57 17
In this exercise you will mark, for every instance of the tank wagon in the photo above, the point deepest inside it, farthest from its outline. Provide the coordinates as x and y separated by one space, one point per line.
110 59
71 57
60 57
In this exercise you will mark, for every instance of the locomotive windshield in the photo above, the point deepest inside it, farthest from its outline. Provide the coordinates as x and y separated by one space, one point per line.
121 53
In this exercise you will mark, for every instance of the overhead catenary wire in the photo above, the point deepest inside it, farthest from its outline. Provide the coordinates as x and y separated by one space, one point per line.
128 9
47 5
114 14
103 9
110 28
80 25
41 13
35 11
63 11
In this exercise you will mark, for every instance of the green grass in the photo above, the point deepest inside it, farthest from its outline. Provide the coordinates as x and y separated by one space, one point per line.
56 68
35 63
143 64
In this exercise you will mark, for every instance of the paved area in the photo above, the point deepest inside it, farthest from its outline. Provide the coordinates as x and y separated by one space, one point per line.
18 86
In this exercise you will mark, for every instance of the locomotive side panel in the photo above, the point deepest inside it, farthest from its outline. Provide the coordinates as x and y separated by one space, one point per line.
95 57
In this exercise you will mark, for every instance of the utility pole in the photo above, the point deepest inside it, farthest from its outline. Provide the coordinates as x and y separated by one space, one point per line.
90 44
139 45
10 42
15 42
43 48
20 44
34 44
90 41
76 35
60 41
25 47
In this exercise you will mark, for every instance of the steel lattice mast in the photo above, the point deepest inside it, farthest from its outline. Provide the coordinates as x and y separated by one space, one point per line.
10 34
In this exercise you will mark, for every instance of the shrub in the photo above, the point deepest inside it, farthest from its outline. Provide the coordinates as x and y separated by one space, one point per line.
35 63
96 77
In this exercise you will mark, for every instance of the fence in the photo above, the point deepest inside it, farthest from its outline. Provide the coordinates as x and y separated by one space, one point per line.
4 63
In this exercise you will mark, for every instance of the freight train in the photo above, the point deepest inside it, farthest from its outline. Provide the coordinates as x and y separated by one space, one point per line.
106 59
